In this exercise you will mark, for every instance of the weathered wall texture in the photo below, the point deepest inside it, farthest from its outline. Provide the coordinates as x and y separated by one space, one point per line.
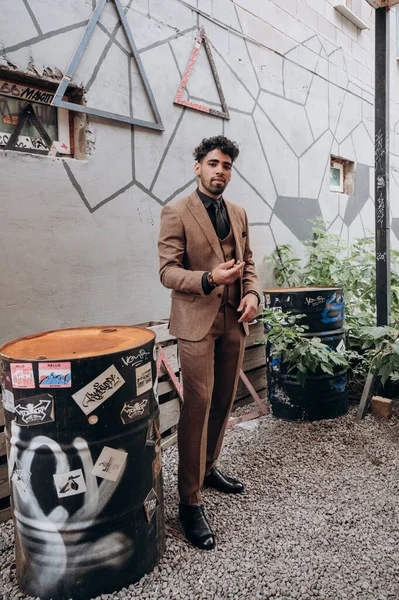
78 238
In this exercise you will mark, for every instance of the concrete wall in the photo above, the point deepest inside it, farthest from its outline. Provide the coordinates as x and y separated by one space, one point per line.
78 237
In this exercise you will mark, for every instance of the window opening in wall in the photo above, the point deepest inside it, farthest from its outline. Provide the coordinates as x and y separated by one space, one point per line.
28 122
342 176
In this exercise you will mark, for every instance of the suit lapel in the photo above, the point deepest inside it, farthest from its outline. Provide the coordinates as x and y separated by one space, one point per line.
200 214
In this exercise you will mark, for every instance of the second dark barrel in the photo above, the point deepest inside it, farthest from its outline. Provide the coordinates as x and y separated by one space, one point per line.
84 459
323 396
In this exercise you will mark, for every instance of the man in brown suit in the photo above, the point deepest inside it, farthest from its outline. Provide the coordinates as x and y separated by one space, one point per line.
206 259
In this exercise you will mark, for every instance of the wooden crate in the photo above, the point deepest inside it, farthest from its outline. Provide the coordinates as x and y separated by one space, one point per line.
254 366
5 500
169 403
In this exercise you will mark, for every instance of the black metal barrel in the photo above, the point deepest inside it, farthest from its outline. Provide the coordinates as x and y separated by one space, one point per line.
323 307
84 459
322 396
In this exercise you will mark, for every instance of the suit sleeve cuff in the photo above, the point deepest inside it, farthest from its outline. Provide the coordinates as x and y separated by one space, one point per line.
206 286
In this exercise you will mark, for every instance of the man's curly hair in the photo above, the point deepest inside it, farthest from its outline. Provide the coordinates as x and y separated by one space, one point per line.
218 142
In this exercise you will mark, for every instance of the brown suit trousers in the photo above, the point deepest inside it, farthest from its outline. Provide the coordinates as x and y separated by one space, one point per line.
210 370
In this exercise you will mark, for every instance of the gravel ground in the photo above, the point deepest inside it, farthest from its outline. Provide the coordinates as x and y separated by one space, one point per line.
319 518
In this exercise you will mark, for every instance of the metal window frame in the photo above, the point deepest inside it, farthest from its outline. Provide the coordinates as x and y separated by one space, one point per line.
58 98
224 114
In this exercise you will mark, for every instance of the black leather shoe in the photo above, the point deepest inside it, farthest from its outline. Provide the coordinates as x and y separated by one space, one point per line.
196 527
223 483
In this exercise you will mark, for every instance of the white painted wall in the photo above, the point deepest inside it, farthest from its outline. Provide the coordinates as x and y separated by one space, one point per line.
298 81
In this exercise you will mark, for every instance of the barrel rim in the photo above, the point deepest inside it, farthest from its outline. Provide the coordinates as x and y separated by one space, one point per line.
303 289
309 378
325 333
4 356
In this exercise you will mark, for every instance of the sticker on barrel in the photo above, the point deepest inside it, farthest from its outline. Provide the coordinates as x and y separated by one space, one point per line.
99 390
69 484
34 410
110 464
150 504
22 375
21 477
55 375
135 409
8 400
8 396
143 378
153 434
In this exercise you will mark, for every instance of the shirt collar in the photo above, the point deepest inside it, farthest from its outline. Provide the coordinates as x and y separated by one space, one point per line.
208 200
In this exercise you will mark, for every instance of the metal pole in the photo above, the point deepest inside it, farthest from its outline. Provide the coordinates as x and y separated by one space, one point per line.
382 220
382 233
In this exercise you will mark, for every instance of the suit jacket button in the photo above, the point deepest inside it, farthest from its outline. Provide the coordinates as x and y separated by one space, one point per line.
219 295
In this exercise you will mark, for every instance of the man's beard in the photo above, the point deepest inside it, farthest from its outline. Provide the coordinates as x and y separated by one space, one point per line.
216 190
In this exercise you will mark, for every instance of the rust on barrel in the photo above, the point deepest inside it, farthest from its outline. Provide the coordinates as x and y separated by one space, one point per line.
78 342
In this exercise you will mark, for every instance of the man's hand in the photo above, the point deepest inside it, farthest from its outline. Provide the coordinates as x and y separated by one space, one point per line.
227 272
249 304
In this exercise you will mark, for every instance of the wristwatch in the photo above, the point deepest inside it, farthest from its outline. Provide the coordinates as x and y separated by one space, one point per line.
210 280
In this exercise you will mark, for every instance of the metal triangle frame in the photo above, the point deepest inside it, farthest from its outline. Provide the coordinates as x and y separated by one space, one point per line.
224 114
58 98
28 114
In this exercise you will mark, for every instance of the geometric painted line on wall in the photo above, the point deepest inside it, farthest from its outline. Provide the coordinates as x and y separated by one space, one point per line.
325 49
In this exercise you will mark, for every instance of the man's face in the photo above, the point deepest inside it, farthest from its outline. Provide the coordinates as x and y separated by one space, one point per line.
214 173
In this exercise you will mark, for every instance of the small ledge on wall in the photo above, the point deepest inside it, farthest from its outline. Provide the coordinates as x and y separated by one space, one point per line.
341 7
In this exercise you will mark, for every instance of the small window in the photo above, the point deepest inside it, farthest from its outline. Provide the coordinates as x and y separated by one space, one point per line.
337 177
28 122
342 176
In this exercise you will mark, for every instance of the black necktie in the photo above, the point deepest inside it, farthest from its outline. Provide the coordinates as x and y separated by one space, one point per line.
222 226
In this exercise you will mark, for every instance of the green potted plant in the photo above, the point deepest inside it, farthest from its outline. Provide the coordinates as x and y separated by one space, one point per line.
381 347
306 377
329 261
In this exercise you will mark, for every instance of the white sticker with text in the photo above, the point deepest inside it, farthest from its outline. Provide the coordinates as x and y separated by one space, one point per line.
98 390
150 504
22 375
143 378
55 375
